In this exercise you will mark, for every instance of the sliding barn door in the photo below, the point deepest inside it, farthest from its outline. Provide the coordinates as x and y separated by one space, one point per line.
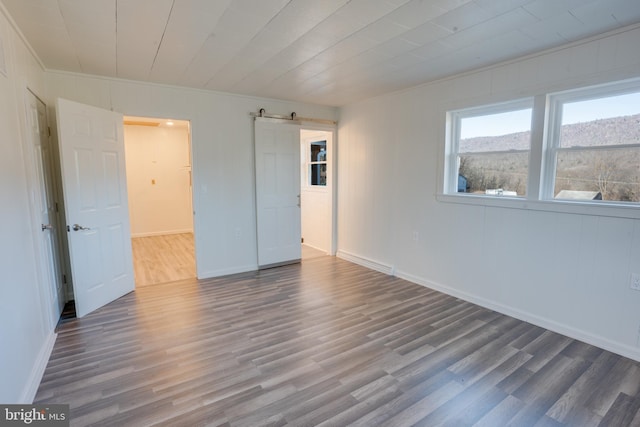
277 192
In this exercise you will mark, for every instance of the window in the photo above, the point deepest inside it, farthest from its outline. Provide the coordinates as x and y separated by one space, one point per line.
490 149
565 149
317 164
595 145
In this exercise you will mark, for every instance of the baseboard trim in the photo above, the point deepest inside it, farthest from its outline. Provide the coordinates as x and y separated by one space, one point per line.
31 388
161 233
365 262
569 331
316 248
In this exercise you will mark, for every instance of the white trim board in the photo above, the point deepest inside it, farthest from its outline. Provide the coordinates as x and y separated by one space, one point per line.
578 334
31 388
366 262
324 251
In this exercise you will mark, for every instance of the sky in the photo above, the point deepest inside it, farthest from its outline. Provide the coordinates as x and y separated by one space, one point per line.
496 124
603 108
575 112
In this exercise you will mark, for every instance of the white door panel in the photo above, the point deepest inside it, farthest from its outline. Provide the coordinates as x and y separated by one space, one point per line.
277 192
94 182
45 204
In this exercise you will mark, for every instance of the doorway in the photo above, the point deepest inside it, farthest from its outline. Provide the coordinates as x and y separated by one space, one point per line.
112 255
316 192
159 186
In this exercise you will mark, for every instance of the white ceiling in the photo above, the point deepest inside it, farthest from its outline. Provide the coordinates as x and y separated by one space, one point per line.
330 52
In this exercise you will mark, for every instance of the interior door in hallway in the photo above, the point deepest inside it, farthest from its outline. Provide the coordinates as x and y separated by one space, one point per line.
277 151
45 204
95 192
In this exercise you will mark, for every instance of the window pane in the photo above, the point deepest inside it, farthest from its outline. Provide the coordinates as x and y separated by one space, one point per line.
612 175
318 151
613 120
506 173
506 131
319 174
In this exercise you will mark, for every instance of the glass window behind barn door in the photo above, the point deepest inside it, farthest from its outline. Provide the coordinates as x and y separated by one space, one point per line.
318 163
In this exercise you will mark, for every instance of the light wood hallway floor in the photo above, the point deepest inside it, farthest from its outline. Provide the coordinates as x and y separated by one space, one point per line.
171 257
309 252
165 258
329 343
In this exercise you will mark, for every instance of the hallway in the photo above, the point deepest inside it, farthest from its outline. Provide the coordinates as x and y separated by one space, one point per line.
165 258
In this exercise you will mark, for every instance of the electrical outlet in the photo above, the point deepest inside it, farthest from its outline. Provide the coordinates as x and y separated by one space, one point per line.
634 283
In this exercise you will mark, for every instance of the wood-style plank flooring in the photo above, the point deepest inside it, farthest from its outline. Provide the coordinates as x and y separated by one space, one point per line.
164 258
327 343
309 252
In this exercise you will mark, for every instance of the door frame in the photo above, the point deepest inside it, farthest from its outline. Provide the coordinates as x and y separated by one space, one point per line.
333 170
191 174
329 134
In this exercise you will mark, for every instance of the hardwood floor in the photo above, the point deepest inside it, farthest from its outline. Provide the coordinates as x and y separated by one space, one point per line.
165 258
328 343
309 252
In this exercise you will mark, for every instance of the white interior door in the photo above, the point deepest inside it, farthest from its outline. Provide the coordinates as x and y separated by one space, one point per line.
95 192
45 203
277 192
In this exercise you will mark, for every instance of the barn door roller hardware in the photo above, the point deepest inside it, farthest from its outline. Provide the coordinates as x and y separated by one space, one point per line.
292 117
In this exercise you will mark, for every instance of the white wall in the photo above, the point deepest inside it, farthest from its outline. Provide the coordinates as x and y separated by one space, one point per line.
567 272
26 335
222 152
158 181
316 201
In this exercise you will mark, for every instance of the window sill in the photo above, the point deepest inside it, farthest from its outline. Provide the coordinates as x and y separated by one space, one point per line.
606 209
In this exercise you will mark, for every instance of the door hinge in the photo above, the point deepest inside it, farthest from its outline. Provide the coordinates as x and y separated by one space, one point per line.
49 129
64 279
57 210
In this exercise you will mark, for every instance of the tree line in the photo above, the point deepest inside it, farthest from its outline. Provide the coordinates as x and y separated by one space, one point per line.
615 173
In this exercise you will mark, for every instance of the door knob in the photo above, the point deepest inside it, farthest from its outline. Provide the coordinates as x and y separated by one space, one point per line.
77 227
47 227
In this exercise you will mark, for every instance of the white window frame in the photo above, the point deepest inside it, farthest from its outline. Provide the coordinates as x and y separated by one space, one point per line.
556 101
545 131
307 169
454 119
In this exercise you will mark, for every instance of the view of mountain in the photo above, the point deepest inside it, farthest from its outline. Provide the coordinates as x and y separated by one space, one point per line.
613 174
615 131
